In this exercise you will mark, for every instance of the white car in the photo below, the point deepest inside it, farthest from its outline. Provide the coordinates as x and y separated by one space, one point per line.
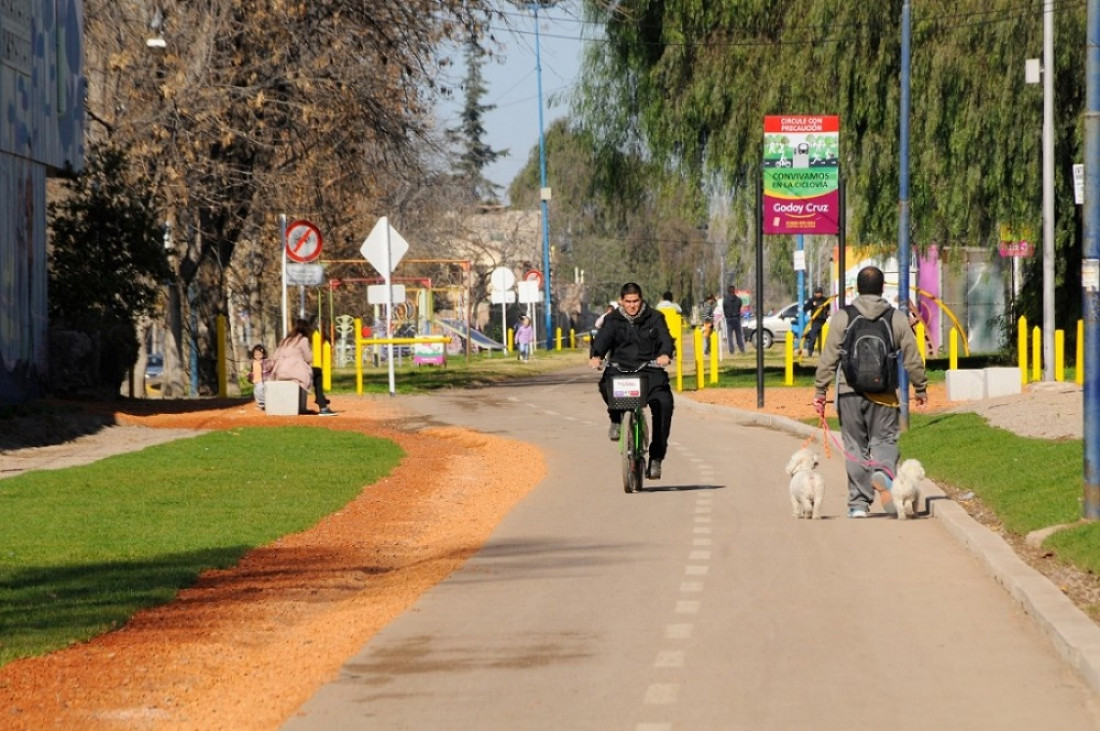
775 326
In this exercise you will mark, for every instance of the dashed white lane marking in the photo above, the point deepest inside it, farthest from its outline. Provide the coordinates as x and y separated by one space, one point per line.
703 509
669 659
700 541
662 694
701 529
702 518
699 556
697 570
679 631
688 607
689 587
653 727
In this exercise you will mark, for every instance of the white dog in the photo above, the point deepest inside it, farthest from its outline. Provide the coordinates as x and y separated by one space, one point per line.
807 486
906 488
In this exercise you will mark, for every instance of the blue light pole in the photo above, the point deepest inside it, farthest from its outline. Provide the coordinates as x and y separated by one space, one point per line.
544 192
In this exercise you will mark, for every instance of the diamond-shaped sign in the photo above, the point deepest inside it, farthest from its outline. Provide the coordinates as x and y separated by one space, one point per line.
375 245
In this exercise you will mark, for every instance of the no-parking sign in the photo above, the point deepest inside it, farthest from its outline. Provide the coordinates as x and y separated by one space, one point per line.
303 241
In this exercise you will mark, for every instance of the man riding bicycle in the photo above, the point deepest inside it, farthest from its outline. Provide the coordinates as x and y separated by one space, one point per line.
633 335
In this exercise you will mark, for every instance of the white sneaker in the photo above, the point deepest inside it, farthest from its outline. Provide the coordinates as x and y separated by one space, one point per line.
857 513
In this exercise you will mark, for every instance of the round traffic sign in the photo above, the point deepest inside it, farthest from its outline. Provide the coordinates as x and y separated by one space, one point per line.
533 276
502 278
303 241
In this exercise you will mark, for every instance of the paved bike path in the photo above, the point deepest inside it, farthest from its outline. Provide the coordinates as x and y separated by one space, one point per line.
698 604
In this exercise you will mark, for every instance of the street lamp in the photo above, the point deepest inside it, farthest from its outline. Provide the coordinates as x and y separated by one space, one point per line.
544 191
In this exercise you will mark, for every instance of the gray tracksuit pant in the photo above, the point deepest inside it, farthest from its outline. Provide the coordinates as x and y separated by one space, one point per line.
870 432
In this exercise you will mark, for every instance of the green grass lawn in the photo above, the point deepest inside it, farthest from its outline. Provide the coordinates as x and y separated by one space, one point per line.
84 548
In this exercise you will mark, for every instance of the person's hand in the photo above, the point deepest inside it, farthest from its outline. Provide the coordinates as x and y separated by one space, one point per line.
819 404
594 362
921 399
663 360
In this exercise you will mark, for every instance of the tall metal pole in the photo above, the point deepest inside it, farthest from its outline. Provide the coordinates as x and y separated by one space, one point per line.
543 196
1090 265
1048 190
903 201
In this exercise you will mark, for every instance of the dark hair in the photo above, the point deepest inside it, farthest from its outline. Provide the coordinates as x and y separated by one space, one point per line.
869 281
630 288
818 290
667 296
258 347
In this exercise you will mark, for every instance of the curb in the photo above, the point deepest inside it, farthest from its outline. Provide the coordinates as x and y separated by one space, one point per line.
1072 633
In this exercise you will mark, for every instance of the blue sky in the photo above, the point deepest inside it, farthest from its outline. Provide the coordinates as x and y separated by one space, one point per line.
511 79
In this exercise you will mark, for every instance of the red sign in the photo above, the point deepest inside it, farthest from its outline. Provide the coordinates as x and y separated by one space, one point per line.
303 241
533 276
1022 249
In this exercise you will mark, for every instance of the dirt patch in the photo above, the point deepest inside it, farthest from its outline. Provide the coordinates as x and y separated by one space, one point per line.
245 647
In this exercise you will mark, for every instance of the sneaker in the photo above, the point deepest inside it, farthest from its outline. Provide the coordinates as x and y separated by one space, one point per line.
654 471
882 484
857 513
326 411
614 431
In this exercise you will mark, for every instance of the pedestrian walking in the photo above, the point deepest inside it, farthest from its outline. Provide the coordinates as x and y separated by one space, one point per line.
731 313
861 352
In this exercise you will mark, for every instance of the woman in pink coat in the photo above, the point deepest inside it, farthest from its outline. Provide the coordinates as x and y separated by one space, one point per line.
294 357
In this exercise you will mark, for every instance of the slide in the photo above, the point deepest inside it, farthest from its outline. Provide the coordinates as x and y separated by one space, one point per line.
478 338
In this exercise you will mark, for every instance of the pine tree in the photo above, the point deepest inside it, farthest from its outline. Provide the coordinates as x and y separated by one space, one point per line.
475 153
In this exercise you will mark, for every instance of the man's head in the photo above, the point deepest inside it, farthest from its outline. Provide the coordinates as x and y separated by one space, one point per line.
869 281
818 291
667 296
630 297
732 289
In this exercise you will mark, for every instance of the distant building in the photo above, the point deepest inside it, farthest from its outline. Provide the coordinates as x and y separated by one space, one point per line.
42 92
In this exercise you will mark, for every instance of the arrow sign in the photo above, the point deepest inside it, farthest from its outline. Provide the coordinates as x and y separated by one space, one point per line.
375 246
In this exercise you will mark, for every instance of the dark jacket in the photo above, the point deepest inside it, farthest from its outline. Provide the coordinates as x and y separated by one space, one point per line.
731 307
632 343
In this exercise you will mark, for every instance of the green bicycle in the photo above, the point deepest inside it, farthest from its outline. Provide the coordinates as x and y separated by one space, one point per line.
629 388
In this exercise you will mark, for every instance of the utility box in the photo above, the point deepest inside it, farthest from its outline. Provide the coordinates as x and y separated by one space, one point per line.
284 398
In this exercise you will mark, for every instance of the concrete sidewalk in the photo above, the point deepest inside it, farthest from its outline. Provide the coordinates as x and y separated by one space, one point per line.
1072 633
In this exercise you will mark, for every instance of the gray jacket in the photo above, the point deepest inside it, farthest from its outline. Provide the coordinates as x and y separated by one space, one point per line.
869 305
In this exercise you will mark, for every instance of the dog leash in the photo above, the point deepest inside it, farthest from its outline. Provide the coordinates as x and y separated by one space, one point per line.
826 435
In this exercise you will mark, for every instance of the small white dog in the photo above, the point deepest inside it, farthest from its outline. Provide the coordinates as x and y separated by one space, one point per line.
807 486
906 488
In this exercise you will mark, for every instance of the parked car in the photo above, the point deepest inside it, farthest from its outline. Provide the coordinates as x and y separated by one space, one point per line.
775 326
154 372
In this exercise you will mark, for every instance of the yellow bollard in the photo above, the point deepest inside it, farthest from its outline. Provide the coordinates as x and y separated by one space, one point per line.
510 342
1079 364
700 376
572 339
557 339
359 356
326 366
920 342
1036 354
713 357
953 349
1021 347
788 359
223 387
822 337
1059 356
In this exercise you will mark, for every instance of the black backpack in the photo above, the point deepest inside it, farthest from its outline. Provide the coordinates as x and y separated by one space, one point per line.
868 354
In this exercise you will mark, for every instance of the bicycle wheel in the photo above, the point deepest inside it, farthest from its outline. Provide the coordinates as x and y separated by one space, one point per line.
626 452
640 448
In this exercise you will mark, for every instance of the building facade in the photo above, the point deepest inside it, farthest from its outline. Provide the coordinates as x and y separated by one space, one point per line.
42 91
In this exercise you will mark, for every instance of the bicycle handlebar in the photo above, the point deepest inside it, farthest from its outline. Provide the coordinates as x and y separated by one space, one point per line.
647 364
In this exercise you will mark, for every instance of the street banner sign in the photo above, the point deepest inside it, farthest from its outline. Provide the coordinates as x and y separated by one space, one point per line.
303 241
801 175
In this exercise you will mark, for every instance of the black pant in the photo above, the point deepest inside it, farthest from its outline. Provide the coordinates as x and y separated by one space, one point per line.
319 388
659 400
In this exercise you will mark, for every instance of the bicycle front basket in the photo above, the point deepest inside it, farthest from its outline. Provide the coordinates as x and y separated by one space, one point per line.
628 391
